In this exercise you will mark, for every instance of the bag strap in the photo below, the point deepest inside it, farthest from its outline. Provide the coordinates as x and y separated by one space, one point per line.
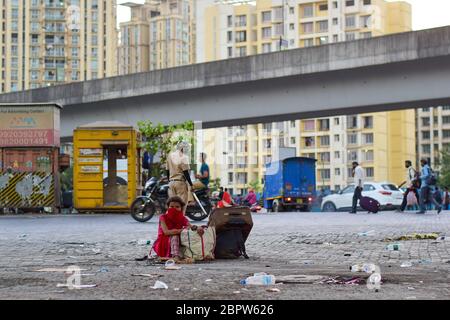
189 243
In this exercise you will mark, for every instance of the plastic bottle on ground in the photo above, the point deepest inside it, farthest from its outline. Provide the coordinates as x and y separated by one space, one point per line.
259 279
393 247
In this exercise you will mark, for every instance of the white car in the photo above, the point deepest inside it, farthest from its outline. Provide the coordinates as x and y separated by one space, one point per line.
387 194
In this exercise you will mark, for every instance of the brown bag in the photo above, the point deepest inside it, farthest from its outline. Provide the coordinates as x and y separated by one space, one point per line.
224 219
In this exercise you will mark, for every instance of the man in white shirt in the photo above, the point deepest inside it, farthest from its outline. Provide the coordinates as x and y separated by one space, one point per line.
178 172
358 176
410 183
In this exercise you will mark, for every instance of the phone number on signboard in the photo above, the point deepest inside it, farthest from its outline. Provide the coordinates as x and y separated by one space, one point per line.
24 141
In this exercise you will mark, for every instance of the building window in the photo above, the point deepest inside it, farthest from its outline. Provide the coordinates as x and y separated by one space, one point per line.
230 52
324 157
325 140
445 120
292 140
230 36
309 142
353 155
323 7
309 125
323 26
266 47
368 122
368 138
241 21
278 29
230 177
291 10
308 11
323 40
350 21
368 155
349 3
242 51
337 138
293 125
426 121
230 21
350 36
366 35
324 174
241 36
266 16
324 124
352 138
337 154
352 122
335 21
266 33
426 148
370 172
366 21
337 172
335 4
367 2
309 42
308 27
446 134
425 135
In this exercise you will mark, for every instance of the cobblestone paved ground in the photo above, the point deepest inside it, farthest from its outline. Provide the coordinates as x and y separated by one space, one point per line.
280 244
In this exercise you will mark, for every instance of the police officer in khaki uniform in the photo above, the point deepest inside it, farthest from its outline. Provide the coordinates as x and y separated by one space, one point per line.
178 172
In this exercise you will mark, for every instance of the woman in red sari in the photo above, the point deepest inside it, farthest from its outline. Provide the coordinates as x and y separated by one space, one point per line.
171 224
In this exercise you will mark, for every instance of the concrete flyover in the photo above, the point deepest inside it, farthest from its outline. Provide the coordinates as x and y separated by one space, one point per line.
379 74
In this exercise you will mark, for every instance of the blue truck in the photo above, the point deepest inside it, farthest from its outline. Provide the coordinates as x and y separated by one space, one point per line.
290 184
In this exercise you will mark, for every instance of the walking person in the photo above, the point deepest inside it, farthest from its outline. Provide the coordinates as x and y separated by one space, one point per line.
411 177
178 172
358 176
446 198
438 196
426 177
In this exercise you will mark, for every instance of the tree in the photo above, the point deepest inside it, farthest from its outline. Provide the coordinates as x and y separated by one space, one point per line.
163 138
256 185
214 185
444 178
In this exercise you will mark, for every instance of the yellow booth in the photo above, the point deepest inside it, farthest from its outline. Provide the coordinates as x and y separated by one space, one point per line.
107 170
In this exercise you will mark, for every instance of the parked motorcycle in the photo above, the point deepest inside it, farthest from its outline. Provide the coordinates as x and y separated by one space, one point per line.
154 198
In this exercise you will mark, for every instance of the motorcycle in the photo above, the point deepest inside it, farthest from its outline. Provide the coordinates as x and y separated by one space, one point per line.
154 198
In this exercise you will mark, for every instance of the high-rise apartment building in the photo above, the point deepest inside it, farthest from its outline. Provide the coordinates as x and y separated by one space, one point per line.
160 34
433 134
48 42
379 141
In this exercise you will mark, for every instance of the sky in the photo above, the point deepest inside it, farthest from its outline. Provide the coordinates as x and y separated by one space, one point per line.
426 13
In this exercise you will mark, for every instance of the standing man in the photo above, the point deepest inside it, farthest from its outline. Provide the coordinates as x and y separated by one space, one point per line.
410 184
178 172
203 177
358 176
426 189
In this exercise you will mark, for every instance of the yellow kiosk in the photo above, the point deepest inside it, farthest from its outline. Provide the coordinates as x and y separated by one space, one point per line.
107 170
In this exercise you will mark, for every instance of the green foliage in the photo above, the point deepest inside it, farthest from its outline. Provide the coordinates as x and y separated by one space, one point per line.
444 178
163 138
214 185
256 185
67 179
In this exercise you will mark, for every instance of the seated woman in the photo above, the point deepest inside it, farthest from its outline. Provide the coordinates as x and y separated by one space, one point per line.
171 224
226 200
